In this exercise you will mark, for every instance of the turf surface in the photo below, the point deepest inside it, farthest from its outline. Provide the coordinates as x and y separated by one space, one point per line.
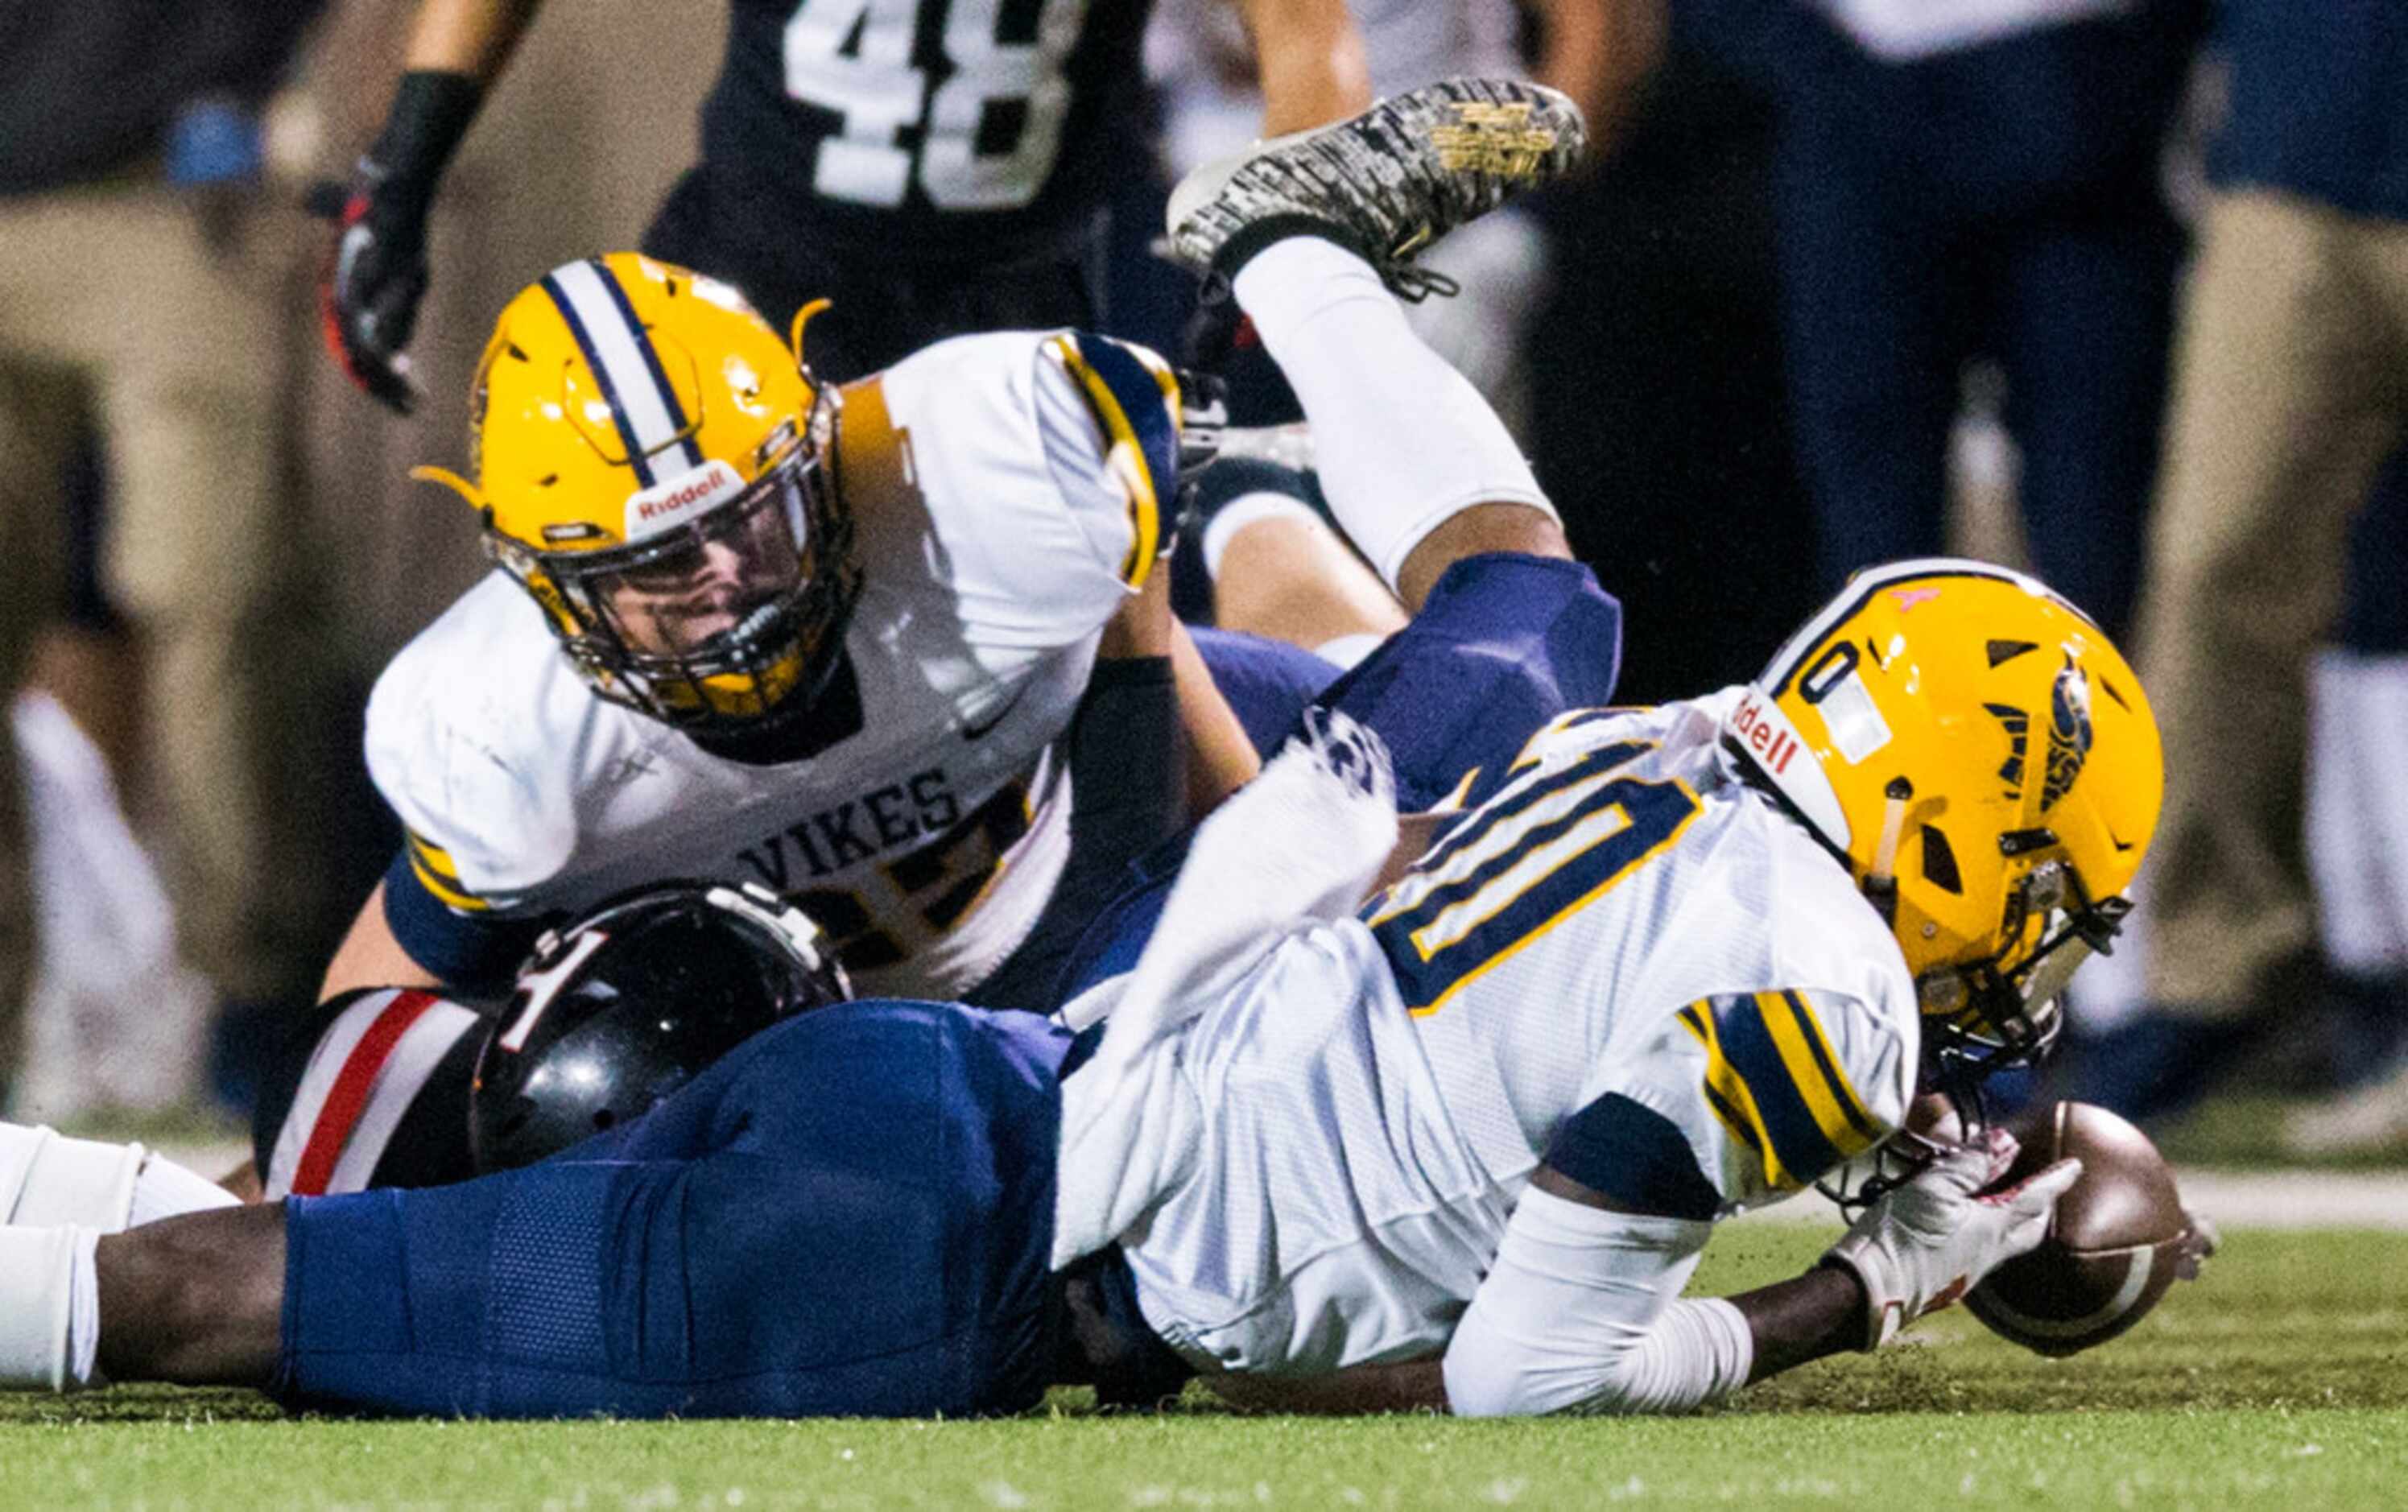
2282 1379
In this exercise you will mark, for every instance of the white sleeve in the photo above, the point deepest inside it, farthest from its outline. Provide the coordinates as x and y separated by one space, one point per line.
480 829
1108 419
1047 462
1580 1314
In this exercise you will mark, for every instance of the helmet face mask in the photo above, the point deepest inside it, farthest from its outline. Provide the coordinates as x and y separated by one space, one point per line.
728 623
1982 760
654 468
2007 1011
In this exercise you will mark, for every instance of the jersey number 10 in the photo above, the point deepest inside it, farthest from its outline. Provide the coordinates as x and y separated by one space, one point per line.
854 57
1513 868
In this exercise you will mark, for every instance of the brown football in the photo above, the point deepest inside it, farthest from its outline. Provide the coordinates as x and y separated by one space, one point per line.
2116 1240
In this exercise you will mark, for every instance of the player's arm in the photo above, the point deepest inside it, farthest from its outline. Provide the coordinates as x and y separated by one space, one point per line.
1309 60
475 37
1746 1097
424 926
1216 758
376 271
370 957
1600 52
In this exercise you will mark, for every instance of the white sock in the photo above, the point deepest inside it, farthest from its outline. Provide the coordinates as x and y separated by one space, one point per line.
1402 441
48 1180
1245 510
50 1308
165 1190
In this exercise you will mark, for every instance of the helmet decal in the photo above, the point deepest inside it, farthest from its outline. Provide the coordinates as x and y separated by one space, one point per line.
643 407
1848 709
2019 727
674 500
2068 733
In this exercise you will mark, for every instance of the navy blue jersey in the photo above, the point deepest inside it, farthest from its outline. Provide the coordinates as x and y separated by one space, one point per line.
927 131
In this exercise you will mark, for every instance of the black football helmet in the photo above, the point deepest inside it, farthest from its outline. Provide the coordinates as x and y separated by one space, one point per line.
615 1012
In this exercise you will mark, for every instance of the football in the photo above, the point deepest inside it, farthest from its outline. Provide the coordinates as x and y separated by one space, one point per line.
2118 1239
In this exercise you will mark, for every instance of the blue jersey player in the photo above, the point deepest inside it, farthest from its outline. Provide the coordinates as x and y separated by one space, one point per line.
1370 1121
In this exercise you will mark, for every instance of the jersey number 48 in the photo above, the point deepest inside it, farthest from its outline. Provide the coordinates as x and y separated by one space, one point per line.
854 57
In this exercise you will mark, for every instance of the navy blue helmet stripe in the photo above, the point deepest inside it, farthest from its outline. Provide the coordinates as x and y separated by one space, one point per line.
677 419
627 437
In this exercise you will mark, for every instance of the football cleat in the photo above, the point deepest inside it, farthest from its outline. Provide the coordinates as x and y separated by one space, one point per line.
1385 183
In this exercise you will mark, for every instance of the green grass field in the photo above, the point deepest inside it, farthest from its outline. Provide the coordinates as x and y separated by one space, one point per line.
2283 1380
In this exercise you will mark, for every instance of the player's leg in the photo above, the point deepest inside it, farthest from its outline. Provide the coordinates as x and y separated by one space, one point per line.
1309 235
1507 632
1274 565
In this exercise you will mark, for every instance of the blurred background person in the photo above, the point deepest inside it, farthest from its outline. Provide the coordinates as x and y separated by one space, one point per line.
2291 390
1974 180
931 167
1202 61
1659 420
2357 839
137 308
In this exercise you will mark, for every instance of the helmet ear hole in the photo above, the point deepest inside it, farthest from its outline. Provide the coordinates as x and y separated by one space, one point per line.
1940 862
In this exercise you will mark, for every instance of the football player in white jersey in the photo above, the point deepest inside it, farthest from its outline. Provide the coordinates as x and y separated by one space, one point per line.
746 627
1458 1142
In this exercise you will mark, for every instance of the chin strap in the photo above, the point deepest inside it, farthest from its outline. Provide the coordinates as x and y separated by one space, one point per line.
1881 878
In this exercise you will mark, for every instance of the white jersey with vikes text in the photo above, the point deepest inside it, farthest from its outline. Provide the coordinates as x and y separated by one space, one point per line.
1621 926
998 520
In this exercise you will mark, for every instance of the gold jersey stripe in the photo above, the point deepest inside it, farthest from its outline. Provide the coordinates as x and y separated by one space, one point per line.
1125 458
1727 1094
1815 1071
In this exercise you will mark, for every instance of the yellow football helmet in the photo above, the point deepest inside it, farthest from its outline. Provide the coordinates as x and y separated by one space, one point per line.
650 462
1984 762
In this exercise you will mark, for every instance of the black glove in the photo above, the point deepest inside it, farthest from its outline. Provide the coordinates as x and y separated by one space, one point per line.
376 271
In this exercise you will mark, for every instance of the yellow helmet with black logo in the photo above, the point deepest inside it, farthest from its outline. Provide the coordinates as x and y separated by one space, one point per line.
648 457
1984 760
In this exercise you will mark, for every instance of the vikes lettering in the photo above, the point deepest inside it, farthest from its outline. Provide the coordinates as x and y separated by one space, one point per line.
933 863
856 830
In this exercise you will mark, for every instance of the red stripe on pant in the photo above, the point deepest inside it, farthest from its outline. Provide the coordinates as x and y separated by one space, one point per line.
349 1097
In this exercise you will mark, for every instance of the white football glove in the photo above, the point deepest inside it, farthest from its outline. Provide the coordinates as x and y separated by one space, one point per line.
1925 1243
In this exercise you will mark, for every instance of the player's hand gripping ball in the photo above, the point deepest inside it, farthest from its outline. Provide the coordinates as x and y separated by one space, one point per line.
2118 1238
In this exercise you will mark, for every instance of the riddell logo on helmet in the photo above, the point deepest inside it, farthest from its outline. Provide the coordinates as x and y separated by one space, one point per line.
1771 741
679 499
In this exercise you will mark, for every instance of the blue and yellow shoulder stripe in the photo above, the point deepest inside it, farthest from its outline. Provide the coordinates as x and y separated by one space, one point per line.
1775 1082
436 872
1135 397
